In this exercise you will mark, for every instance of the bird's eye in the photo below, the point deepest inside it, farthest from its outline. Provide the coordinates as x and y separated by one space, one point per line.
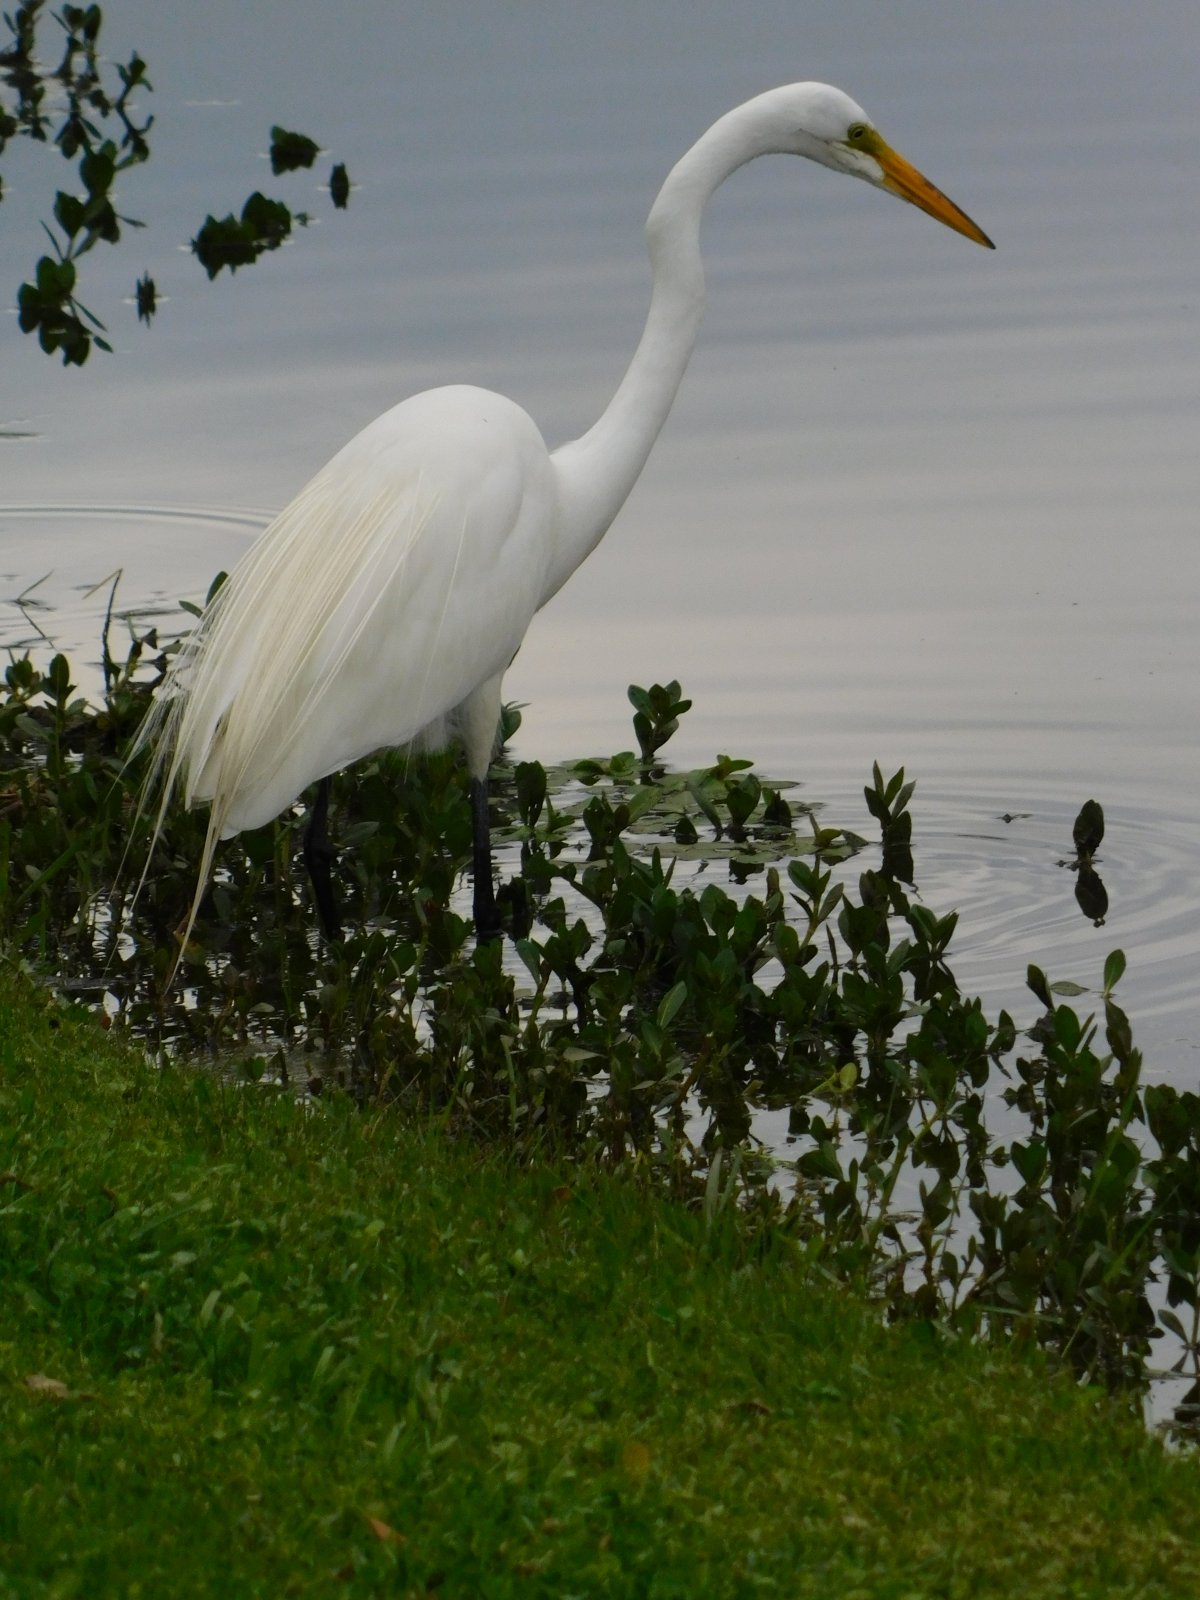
856 132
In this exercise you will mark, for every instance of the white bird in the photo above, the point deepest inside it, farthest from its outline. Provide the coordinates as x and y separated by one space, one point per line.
384 604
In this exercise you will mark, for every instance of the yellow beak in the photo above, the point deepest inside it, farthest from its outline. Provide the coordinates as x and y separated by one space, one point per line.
902 178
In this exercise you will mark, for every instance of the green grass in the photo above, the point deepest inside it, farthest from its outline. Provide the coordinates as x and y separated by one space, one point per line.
330 1354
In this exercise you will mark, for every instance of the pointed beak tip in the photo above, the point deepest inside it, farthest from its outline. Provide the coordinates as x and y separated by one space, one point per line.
903 179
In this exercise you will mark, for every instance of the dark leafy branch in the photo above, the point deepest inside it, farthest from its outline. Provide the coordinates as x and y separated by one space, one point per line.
89 118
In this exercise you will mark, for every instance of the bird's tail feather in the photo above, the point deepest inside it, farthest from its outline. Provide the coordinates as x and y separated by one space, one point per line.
254 671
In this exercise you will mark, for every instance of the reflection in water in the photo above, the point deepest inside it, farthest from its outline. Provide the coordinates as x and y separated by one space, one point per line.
58 565
1088 833
984 836
1091 895
27 604
1064 422
96 104
934 549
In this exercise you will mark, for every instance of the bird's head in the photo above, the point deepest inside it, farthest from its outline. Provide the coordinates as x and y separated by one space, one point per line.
827 126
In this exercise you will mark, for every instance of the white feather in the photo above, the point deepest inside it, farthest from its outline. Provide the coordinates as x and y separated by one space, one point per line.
384 604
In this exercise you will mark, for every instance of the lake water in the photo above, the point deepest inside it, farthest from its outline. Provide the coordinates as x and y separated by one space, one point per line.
917 503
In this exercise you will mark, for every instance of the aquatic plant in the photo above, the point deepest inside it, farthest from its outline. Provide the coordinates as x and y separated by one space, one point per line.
689 956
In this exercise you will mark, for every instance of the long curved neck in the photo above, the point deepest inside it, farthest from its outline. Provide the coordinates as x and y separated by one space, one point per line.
597 471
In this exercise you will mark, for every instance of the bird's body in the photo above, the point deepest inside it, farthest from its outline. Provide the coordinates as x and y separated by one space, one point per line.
384 604
395 587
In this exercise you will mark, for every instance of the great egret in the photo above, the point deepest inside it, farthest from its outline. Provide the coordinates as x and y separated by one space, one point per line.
383 605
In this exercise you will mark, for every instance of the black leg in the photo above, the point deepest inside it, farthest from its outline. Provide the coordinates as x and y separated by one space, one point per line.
487 918
319 857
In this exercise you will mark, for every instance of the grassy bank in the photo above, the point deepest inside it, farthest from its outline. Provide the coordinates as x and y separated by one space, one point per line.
246 1349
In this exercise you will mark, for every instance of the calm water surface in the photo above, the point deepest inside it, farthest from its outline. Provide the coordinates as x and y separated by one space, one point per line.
916 504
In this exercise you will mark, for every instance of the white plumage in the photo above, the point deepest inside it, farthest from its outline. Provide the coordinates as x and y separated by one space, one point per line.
383 605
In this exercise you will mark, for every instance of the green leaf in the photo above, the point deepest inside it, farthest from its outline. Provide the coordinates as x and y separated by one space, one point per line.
1035 979
531 954
1118 1032
1029 1160
671 1004
1114 967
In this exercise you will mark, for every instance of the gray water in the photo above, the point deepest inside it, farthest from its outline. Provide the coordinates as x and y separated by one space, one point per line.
917 503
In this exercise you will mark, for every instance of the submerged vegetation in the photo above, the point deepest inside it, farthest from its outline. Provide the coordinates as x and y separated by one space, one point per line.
690 956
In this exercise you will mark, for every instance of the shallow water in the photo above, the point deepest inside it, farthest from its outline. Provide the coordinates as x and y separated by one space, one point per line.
916 504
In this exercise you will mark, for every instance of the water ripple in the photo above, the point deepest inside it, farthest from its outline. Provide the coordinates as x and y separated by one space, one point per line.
1009 875
58 564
